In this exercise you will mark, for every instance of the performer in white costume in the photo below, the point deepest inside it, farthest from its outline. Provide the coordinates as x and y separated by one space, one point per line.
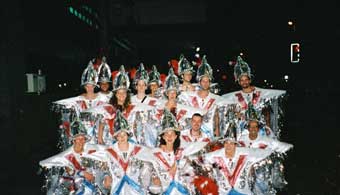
70 108
140 83
76 179
182 112
104 79
129 172
232 166
263 100
173 173
204 99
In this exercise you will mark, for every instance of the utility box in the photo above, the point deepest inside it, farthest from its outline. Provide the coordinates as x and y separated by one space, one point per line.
35 83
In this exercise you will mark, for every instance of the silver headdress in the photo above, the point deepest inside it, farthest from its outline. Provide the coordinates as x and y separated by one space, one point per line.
241 68
184 65
204 70
168 122
104 72
141 74
231 133
90 75
171 81
121 80
154 76
78 129
121 124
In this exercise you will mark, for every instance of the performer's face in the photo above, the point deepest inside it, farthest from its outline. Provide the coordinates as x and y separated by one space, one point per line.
172 95
187 76
104 86
122 137
253 128
141 86
196 123
170 137
153 86
78 143
244 81
89 88
229 146
121 95
205 83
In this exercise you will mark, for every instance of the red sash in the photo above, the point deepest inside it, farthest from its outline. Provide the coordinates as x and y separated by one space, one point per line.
186 138
241 101
128 110
180 114
210 102
152 102
262 146
74 162
110 122
82 104
123 164
195 102
178 156
232 177
66 126
255 99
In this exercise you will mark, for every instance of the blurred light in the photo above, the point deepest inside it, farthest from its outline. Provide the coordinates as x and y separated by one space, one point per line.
271 86
60 85
65 84
286 77
198 49
241 54
197 55
290 23
218 70
231 63
265 80
224 77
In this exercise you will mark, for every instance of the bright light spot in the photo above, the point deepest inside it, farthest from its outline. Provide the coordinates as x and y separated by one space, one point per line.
271 86
241 54
65 84
198 49
218 70
290 23
265 81
286 77
197 55
59 85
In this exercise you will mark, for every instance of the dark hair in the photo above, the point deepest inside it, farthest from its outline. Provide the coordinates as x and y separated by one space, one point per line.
197 114
177 142
114 101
